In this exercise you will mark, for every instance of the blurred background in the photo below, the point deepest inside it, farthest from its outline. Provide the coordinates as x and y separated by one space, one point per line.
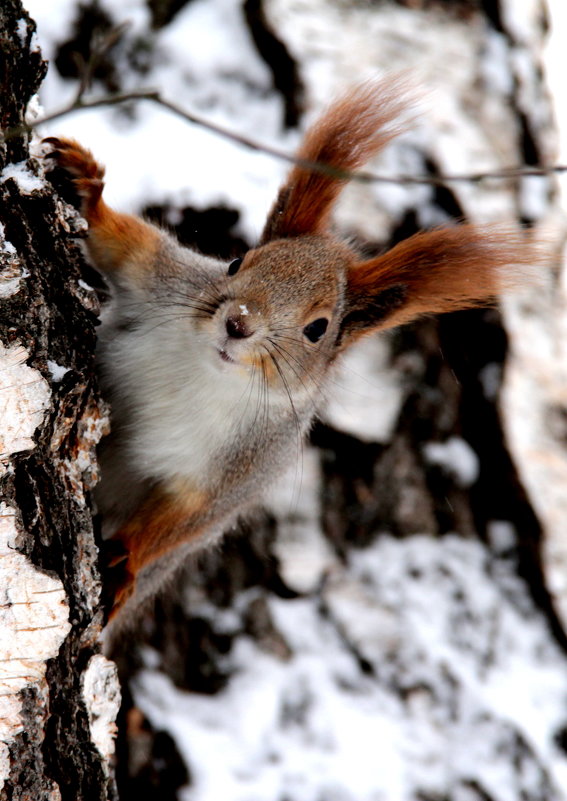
391 625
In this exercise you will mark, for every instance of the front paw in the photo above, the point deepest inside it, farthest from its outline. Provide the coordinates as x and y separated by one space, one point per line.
118 580
122 593
86 172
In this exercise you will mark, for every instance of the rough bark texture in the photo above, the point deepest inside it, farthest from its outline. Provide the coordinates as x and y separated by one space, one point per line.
51 421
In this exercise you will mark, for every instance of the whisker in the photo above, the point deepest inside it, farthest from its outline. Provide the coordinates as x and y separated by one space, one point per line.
298 479
286 356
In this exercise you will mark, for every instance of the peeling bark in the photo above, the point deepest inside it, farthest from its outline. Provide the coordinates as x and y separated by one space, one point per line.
51 746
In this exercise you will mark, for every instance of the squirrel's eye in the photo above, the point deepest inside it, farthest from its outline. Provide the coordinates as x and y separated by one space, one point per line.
234 266
315 330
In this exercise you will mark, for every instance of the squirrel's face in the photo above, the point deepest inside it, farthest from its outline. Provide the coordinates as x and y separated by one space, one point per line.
278 311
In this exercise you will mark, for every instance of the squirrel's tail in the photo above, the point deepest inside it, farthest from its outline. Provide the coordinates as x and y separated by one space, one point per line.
353 129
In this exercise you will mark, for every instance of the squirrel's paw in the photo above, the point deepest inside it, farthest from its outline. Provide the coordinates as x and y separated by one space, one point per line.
122 589
119 581
80 163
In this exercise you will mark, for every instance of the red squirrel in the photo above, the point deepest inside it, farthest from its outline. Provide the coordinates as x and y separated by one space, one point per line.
215 370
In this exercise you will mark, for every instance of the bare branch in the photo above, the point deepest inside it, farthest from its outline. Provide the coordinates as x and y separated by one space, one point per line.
153 96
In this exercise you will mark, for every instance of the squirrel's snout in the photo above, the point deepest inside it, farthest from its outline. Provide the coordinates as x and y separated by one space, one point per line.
238 327
241 320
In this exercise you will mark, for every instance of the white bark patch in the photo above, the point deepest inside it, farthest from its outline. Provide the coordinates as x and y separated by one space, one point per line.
101 692
11 273
80 468
534 404
11 270
34 621
24 398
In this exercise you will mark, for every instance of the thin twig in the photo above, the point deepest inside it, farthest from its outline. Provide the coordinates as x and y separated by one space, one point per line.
79 104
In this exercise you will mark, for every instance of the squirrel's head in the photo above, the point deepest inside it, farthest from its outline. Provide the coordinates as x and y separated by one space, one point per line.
279 310
289 306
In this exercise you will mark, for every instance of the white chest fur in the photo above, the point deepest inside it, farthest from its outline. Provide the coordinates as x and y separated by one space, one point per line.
180 402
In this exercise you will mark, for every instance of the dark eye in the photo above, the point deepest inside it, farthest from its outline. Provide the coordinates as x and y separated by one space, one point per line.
315 330
234 266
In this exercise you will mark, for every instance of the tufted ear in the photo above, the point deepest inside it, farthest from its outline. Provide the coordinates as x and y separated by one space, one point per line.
353 129
431 272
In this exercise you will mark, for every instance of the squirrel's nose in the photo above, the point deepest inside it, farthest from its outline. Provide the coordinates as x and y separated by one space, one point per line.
237 327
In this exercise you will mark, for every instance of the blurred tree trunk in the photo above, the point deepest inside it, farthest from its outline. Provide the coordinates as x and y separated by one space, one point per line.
58 695
445 466
359 486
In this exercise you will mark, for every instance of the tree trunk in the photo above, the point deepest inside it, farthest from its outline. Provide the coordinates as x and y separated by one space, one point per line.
59 695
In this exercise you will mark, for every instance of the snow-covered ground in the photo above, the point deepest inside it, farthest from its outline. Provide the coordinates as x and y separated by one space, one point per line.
419 669
448 680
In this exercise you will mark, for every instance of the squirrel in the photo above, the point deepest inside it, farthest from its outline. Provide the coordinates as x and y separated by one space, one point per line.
215 370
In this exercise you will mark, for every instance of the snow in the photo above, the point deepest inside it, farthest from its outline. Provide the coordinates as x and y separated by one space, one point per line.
366 393
22 31
457 459
157 157
56 370
440 703
26 180
7 247
11 270
302 549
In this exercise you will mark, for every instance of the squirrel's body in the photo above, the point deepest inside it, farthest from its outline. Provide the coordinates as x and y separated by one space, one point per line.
200 417
214 371
195 408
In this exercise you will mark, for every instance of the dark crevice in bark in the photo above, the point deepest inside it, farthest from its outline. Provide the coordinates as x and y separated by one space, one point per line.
149 764
471 343
164 11
212 231
277 57
71 759
443 196
92 25
459 8
20 76
493 13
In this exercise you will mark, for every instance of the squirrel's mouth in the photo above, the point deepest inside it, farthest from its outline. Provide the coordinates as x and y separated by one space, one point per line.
225 356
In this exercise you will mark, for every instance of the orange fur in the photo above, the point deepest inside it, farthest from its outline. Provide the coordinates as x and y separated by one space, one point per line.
352 130
167 518
116 241
438 271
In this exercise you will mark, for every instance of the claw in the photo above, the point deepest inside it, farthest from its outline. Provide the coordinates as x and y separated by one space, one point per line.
87 174
53 140
123 592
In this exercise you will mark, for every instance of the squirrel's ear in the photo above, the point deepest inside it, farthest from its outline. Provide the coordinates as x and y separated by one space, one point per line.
431 272
353 129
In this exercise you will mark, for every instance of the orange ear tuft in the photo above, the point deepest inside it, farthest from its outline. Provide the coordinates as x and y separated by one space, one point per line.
353 129
435 271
